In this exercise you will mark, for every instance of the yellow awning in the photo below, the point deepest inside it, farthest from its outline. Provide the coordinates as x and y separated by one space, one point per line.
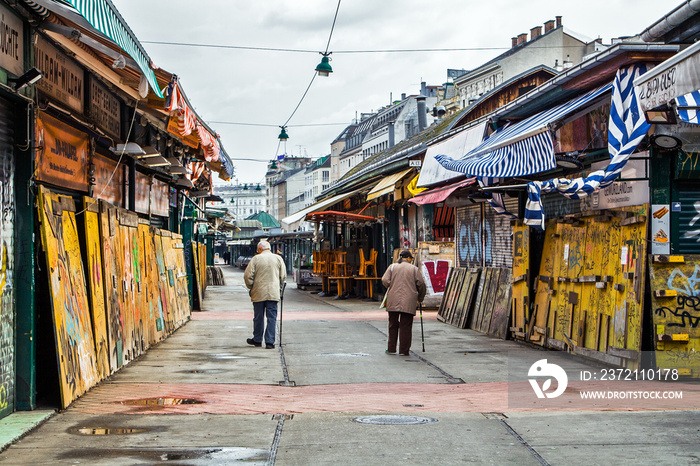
386 185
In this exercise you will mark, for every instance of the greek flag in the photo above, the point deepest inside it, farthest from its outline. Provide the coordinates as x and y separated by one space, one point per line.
626 128
688 107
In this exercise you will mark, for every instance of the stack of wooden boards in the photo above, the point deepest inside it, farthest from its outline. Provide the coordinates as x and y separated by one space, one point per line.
479 299
116 284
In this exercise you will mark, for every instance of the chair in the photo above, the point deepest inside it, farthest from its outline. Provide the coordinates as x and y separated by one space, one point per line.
366 264
340 265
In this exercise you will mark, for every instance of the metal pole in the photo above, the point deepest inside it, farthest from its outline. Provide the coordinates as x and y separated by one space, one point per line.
284 285
422 335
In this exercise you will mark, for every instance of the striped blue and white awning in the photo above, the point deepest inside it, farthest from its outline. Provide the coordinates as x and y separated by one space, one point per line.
521 149
688 106
104 17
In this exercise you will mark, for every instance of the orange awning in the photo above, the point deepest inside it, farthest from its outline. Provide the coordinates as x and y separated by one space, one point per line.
337 217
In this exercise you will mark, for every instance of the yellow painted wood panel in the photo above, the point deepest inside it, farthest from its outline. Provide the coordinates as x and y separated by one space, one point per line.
75 345
182 279
521 263
543 286
676 318
96 285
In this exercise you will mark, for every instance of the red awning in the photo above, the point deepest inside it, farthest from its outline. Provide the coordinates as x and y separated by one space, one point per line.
433 196
338 217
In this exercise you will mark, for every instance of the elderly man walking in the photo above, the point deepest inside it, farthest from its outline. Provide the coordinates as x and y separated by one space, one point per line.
264 277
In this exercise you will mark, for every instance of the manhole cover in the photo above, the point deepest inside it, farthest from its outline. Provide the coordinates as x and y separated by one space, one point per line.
162 401
343 355
107 430
394 420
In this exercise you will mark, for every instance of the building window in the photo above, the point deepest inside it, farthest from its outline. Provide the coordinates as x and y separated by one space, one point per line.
326 176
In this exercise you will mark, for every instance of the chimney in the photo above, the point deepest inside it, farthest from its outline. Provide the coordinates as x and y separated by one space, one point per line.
514 42
403 95
422 114
392 137
548 26
423 88
522 38
535 32
558 18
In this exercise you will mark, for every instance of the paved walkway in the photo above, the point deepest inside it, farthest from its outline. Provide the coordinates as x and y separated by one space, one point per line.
205 397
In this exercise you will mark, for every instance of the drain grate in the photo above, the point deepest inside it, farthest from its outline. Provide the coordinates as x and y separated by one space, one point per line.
162 402
394 420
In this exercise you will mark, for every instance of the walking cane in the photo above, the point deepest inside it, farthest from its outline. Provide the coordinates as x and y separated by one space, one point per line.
284 285
422 336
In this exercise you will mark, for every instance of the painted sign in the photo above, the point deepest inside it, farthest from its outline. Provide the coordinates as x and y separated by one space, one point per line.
435 275
61 154
105 108
675 77
109 179
62 78
618 194
143 193
11 42
160 200
660 229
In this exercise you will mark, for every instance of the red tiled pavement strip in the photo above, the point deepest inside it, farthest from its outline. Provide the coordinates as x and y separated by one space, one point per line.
119 398
304 315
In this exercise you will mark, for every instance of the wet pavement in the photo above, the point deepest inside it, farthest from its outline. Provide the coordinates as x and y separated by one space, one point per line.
329 394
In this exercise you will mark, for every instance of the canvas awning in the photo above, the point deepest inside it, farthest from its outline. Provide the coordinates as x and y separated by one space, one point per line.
433 196
338 217
456 146
673 78
105 18
292 222
521 149
386 185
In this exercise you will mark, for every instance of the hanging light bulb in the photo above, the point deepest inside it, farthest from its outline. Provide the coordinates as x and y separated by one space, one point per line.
324 68
283 134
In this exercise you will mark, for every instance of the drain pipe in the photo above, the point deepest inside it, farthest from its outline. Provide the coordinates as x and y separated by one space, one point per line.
422 115
670 21
392 135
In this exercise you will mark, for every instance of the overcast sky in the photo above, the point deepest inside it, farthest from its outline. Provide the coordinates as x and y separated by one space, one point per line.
264 87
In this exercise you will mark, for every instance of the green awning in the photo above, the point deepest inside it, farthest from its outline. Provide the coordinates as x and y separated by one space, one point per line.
104 17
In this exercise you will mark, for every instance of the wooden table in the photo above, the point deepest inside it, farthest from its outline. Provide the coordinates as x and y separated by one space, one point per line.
370 285
342 286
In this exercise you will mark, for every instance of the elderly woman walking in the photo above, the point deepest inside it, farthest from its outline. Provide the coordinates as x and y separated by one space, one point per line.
406 287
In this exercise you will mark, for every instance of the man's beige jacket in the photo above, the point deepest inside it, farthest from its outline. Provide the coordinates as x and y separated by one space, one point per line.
264 276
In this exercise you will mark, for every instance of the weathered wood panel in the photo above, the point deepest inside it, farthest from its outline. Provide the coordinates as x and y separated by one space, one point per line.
95 281
75 345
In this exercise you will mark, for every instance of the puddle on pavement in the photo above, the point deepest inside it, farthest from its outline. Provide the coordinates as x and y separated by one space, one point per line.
394 420
475 351
161 402
202 371
224 455
107 430
343 355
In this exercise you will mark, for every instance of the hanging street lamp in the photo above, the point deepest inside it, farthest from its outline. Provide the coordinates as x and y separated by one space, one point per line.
324 68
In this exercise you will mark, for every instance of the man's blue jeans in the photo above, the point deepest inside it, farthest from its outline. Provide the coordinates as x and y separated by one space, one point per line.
263 309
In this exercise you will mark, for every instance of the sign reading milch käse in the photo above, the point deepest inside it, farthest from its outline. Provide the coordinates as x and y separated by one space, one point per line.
62 153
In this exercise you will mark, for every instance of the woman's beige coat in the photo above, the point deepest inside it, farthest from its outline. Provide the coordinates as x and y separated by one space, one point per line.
264 276
406 287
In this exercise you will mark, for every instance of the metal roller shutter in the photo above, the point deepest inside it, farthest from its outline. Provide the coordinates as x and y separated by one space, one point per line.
686 227
468 241
498 235
7 254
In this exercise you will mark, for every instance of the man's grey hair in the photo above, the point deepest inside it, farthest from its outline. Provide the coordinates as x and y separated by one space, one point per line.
262 245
